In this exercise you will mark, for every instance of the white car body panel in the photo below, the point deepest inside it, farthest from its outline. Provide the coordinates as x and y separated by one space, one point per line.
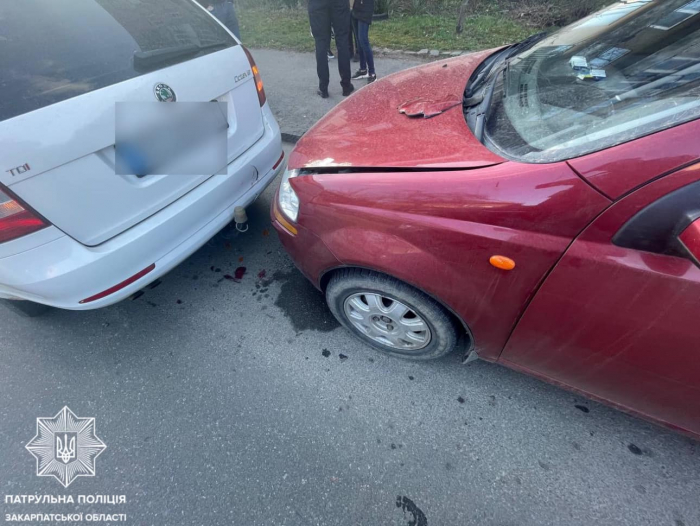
106 228
60 272
72 182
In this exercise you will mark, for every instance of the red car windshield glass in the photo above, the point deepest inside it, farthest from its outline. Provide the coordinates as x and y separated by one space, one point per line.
628 71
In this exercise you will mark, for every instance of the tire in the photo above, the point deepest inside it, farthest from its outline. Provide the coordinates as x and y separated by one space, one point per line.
26 309
354 297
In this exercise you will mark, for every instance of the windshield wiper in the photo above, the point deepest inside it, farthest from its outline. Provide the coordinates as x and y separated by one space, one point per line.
526 44
485 104
478 82
147 60
470 99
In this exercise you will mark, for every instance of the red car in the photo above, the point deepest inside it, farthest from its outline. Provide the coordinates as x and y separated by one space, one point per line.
539 202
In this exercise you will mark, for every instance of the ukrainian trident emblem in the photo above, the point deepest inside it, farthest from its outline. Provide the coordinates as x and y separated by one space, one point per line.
65 447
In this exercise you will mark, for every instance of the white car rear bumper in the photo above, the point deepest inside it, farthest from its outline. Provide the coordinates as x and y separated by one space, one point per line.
52 268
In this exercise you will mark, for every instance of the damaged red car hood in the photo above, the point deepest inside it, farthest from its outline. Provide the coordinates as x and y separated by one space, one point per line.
387 124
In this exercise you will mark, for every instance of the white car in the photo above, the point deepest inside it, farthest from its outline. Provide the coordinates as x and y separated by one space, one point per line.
73 234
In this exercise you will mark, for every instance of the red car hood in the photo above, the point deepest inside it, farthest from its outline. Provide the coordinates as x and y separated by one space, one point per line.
367 130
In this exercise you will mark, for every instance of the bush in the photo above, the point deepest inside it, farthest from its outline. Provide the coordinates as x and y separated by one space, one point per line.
538 13
546 13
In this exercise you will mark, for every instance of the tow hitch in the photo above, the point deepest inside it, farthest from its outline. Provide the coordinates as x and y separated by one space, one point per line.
241 219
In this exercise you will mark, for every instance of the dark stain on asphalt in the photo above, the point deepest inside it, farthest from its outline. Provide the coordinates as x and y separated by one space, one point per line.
543 465
342 357
302 304
461 399
635 449
326 353
492 401
416 516
237 275
411 378
582 408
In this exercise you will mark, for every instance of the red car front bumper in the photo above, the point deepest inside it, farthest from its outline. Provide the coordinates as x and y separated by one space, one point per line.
310 255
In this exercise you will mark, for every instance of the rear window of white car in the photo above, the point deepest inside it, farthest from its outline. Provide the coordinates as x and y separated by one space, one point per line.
53 50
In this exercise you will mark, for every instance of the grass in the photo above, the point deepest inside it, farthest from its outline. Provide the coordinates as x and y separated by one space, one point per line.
289 29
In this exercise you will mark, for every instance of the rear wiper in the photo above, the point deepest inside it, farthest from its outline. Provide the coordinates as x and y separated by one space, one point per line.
147 60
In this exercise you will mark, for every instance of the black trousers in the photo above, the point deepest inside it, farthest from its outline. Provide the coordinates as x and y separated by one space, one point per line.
324 14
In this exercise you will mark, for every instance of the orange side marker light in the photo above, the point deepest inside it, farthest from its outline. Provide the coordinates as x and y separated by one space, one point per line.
502 262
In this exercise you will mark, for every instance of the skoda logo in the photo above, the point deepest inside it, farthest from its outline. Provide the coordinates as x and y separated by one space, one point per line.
164 93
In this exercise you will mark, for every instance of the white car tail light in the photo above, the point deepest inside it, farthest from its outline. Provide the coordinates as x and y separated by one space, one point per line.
16 219
258 79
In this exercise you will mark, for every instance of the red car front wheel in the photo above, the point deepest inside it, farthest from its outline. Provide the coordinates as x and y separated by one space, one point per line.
391 316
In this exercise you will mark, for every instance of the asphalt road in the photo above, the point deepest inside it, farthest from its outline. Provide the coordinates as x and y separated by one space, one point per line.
226 403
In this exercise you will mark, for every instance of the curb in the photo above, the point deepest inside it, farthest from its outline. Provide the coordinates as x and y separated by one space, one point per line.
423 53
290 137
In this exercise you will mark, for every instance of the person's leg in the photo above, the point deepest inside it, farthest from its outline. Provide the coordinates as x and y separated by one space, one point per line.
365 46
351 38
331 55
340 15
356 56
361 74
235 28
319 17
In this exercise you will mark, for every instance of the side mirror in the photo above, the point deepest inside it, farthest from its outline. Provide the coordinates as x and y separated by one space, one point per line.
690 239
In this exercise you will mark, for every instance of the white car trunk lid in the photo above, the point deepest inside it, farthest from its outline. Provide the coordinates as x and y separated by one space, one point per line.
65 152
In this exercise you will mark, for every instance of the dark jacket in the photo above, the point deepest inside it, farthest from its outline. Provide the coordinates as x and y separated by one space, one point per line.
363 10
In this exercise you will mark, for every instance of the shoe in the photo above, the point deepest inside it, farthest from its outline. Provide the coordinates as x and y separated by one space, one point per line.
371 78
360 74
348 90
331 56
323 93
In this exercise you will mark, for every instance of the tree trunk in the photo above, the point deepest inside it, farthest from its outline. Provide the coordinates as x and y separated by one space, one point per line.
462 16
